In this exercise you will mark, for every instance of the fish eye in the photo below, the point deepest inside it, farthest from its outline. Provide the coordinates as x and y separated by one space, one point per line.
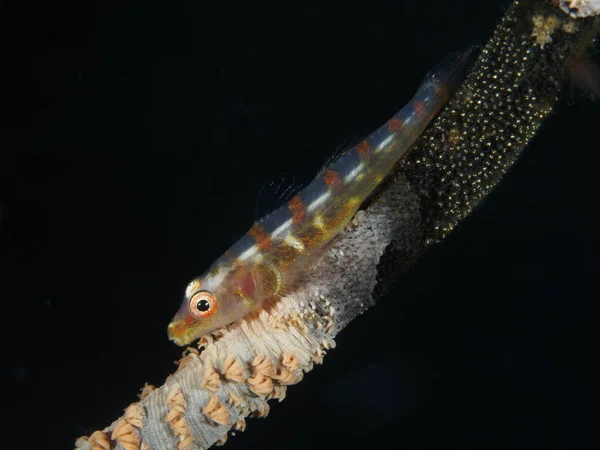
203 304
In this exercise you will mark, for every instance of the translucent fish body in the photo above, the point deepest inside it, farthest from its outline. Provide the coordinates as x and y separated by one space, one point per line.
271 257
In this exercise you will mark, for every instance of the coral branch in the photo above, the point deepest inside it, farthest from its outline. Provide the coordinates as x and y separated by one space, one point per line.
453 166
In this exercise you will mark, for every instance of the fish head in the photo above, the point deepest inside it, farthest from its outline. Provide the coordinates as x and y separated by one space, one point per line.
212 301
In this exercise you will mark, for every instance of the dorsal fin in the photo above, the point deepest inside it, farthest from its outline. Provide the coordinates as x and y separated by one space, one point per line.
339 151
275 193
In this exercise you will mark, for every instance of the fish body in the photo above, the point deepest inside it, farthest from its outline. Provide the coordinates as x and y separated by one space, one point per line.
271 257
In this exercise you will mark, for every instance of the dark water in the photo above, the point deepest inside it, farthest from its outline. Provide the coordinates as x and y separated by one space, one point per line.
134 139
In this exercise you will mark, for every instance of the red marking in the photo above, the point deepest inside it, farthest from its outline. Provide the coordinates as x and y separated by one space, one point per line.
440 91
332 178
363 150
419 109
296 207
395 125
247 285
257 232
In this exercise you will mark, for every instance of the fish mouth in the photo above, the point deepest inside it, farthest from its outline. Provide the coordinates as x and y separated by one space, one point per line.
179 333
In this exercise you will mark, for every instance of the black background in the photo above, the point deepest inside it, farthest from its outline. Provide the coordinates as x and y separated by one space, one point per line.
134 139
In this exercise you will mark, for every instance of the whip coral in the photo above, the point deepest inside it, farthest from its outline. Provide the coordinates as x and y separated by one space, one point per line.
510 90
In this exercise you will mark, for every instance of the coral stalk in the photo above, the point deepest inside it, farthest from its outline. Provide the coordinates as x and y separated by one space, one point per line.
500 106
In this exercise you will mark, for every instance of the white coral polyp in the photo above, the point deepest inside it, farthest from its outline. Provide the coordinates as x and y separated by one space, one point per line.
580 8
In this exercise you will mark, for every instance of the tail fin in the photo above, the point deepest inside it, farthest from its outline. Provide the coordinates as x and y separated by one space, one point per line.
451 70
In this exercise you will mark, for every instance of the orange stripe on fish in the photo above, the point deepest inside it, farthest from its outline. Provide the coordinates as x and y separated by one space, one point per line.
364 150
395 125
257 232
332 178
296 207
420 110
